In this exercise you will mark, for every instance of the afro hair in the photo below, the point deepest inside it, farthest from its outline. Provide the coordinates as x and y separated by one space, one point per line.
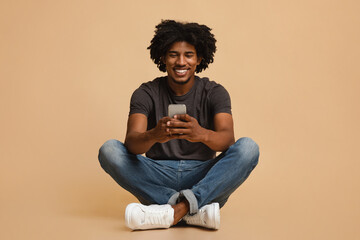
170 31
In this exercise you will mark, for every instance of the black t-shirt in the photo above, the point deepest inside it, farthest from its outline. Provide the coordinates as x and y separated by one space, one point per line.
204 100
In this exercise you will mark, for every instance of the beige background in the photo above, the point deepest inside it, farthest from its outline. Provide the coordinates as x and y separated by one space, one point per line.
68 68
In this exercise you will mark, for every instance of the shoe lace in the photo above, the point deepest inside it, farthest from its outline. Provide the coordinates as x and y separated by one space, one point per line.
196 219
156 217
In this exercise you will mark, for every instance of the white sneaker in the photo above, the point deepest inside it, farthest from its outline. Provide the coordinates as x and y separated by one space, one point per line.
208 216
138 216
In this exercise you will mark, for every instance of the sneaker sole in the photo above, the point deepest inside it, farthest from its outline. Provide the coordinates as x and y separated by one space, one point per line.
216 214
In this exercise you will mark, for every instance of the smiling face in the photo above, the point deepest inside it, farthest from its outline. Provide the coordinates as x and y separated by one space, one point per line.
181 61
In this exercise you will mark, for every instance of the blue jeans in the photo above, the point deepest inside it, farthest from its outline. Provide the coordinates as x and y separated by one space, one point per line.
168 181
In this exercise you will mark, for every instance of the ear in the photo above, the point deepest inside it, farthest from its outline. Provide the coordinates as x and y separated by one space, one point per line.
199 60
163 59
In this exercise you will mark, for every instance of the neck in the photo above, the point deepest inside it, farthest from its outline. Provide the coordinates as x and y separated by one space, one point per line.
180 89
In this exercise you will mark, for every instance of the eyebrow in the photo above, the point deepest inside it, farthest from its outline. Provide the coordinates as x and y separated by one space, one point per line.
178 52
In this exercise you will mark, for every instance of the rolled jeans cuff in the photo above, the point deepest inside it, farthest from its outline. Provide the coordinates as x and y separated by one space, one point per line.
174 199
189 196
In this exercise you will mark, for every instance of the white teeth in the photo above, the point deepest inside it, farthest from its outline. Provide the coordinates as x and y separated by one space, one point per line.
180 71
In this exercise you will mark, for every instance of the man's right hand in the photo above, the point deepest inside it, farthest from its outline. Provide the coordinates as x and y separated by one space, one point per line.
160 132
138 140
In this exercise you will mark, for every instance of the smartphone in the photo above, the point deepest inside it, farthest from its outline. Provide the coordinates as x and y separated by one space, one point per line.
175 109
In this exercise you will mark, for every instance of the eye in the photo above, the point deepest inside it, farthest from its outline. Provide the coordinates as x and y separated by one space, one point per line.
172 54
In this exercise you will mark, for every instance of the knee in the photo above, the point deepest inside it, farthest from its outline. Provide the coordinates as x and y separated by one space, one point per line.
109 147
248 150
109 151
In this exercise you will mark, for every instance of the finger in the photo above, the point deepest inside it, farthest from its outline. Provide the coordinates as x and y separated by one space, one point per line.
169 134
165 119
182 136
183 117
177 124
177 131
170 122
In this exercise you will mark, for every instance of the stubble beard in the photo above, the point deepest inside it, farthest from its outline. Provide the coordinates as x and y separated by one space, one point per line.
180 82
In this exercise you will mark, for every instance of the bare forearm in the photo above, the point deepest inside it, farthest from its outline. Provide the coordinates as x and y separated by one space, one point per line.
139 143
138 140
218 141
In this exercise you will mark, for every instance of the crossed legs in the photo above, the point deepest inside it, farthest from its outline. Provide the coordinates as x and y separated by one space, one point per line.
187 185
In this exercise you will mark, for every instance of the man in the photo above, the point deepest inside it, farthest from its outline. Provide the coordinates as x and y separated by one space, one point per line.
180 178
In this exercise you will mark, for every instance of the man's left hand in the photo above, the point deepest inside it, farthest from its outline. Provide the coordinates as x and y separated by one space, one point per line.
186 127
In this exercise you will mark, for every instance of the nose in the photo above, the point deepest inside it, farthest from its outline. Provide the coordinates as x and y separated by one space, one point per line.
181 60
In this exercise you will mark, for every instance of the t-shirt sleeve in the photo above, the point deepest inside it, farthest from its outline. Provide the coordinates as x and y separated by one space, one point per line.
140 102
220 100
